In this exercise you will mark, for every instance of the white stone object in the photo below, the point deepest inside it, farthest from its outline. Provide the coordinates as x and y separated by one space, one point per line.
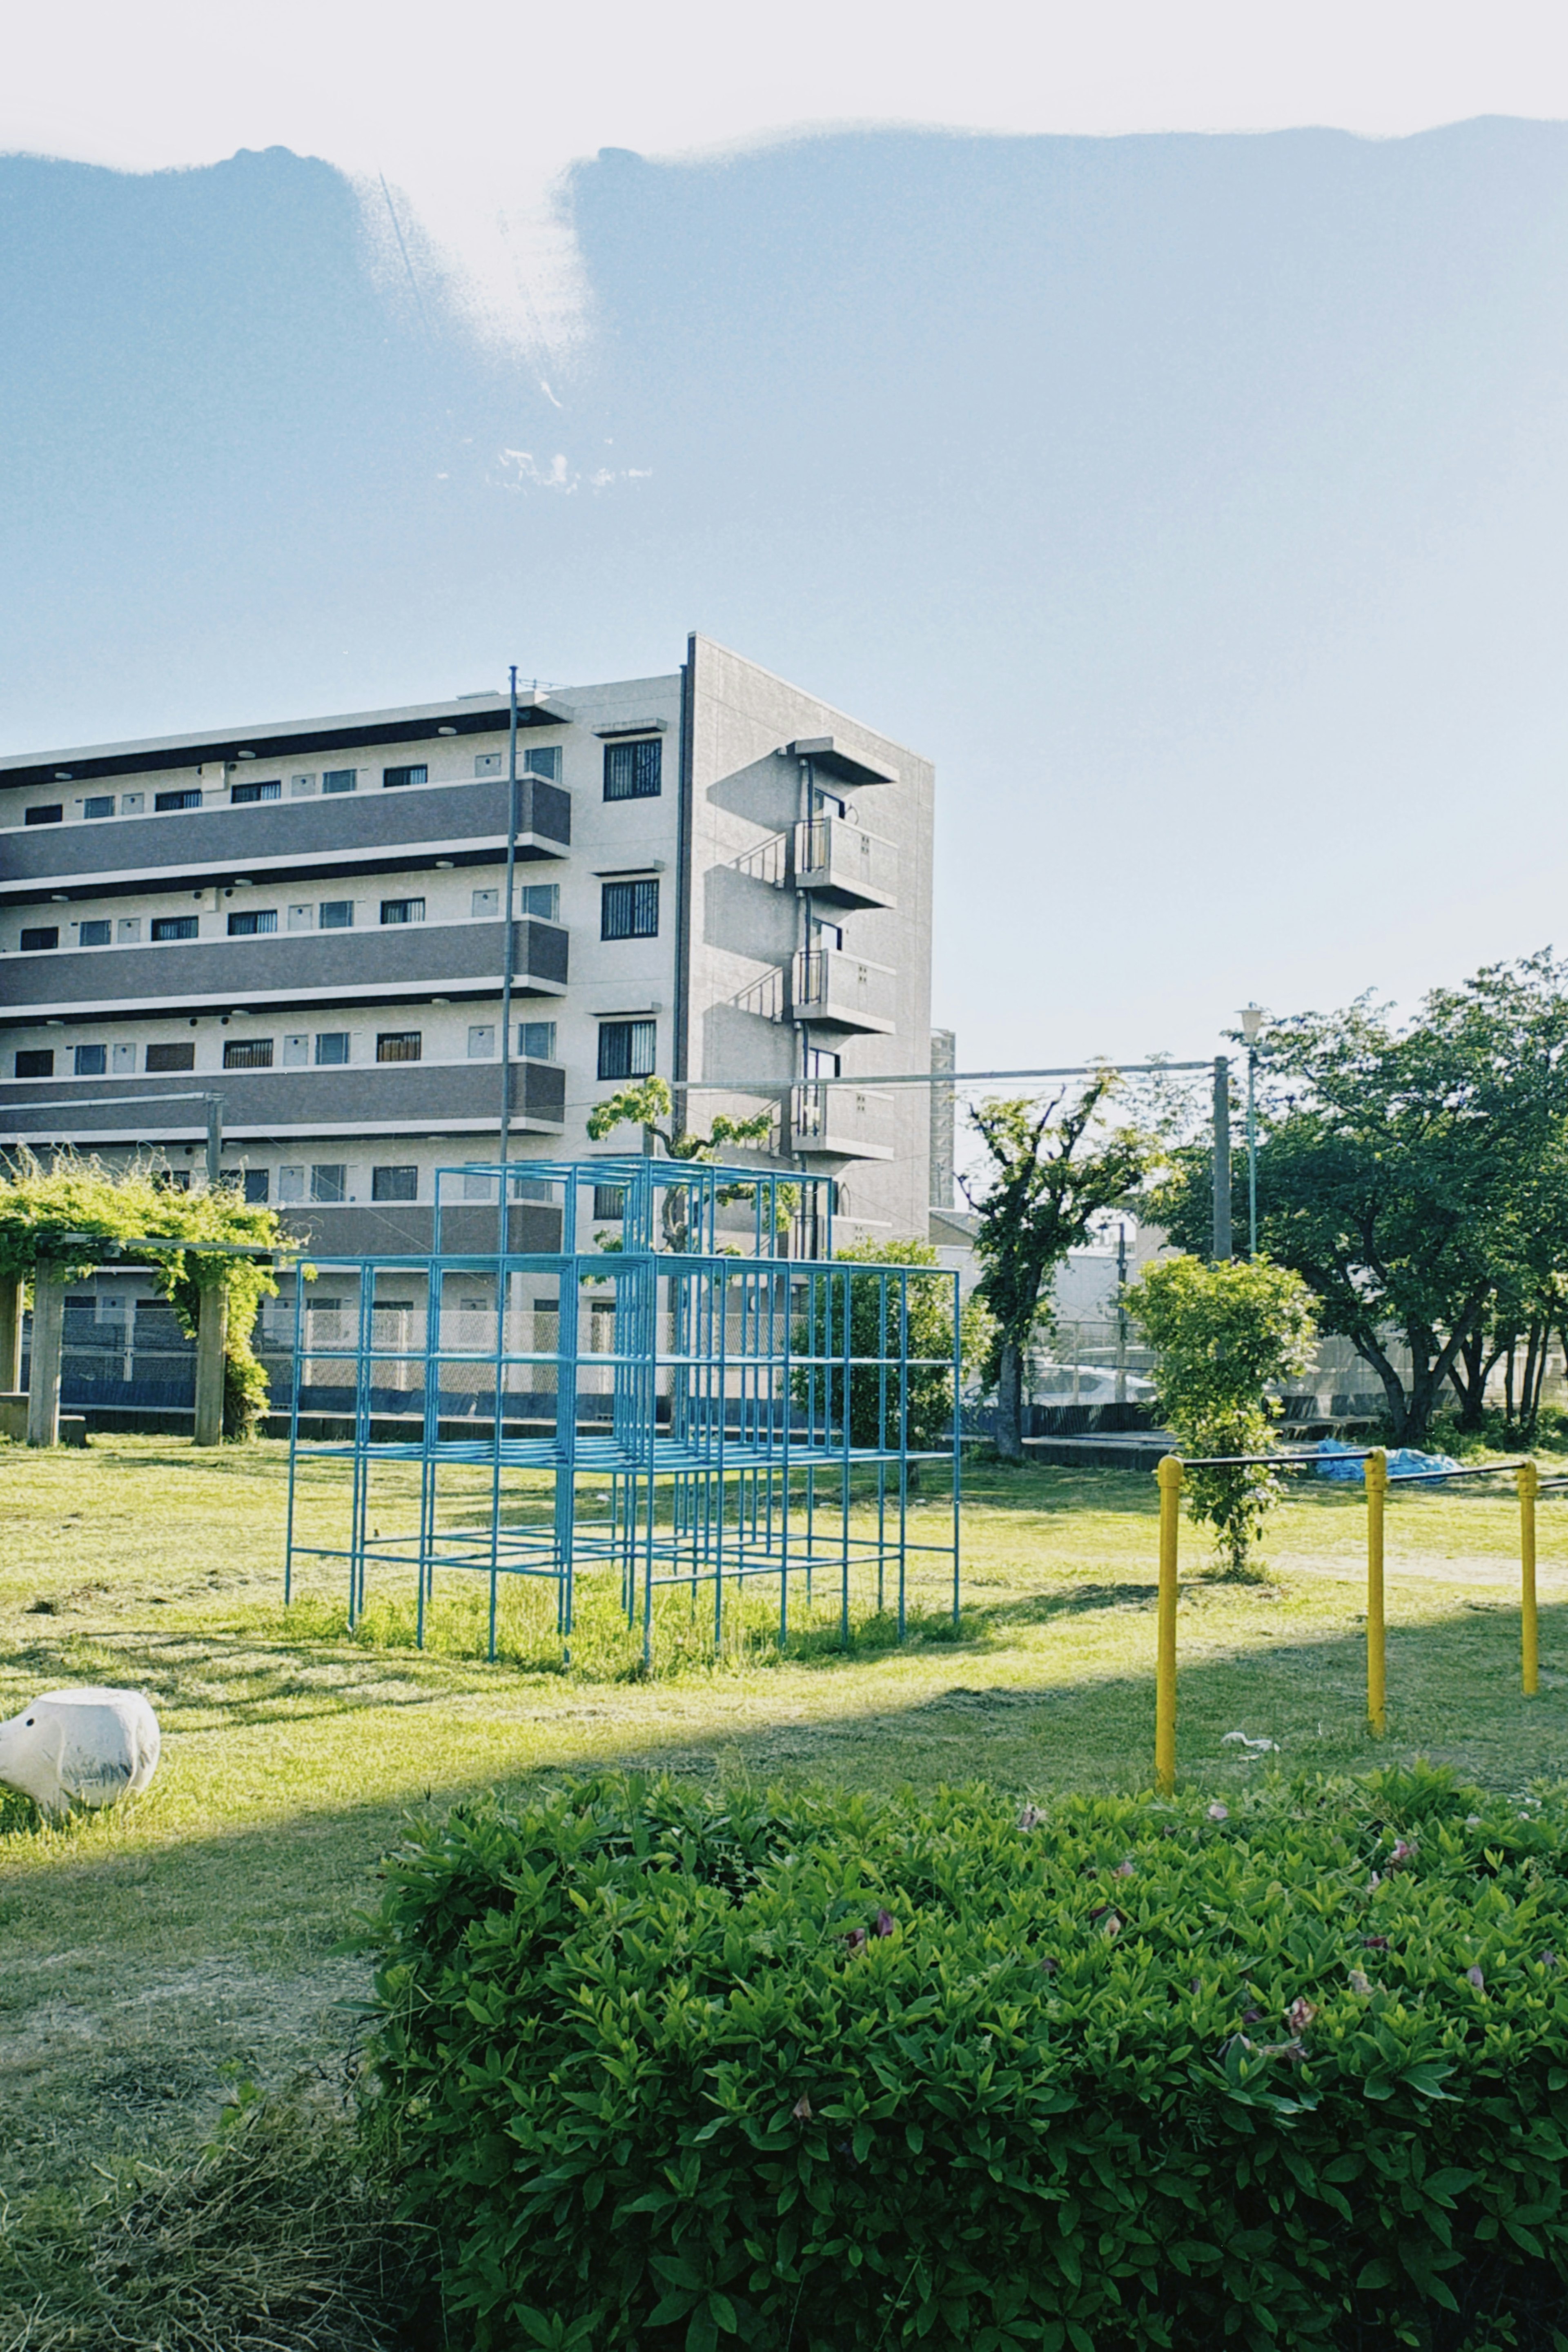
87 1747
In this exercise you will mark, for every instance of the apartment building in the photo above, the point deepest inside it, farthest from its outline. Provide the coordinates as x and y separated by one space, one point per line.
718 878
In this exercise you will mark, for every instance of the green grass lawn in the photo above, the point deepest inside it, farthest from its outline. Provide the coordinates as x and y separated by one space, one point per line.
155 1956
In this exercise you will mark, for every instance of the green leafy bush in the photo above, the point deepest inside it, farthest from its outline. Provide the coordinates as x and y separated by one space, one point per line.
670 2072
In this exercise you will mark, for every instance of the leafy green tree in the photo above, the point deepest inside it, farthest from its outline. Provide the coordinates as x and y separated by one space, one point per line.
44 1210
1415 1176
1221 1335
1053 1171
649 1101
875 1396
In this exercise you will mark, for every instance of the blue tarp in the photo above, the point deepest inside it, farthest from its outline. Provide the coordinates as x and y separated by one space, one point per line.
1337 1460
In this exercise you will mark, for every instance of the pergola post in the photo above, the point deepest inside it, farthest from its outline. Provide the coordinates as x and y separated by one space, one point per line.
212 1339
10 1334
48 1339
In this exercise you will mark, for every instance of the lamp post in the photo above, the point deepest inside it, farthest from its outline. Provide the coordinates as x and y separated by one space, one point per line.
1251 1023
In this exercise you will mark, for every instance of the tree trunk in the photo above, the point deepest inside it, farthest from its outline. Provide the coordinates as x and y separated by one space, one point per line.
1468 1374
1010 1404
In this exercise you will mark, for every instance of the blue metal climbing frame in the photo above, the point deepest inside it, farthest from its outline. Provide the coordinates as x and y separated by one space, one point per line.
685 1392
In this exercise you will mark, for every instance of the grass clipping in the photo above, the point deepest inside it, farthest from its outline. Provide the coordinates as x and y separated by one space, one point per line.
272 2241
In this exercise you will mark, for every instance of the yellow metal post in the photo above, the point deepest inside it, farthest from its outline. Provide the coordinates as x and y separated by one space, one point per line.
1169 1473
1529 1486
1376 1679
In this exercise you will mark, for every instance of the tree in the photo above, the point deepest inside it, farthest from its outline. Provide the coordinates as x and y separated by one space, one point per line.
648 1102
1053 1172
875 1304
1222 1335
1416 1177
45 1211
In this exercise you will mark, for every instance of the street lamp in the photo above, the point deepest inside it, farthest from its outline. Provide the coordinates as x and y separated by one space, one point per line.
1251 1023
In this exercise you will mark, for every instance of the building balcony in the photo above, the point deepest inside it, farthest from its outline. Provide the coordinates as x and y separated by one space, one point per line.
428 1097
841 1122
372 832
844 866
401 962
833 989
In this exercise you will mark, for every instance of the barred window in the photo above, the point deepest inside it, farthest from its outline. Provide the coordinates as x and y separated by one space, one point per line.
403 910
399 1046
336 915
247 1053
629 910
339 779
329 1182
332 1048
101 805
609 1199
91 1061
536 1040
170 1057
394 1184
627 1048
240 795
633 771
167 801
392 777
94 934
175 927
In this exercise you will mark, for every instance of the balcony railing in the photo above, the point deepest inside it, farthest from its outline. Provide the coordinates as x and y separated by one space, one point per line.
843 1122
419 1095
353 833
371 966
836 861
833 989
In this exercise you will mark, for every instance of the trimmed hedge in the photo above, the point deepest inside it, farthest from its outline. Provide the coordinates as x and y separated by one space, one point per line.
672 2071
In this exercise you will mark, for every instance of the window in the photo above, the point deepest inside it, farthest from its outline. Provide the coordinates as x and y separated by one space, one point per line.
332 1049
627 1048
247 1053
175 927
403 910
290 1184
336 914
477 1187
239 795
128 930
301 919
296 1053
91 1061
51 815
394 1184
392 777
486 763
609 1199
481 1043
485 905
35 1061
170 1057
301 788
629 910
42 935
545 762
256 1187
259 922
172 1180
540 898
94 934
101 805
177 800
329 1182
536 1041
398 1045
338 780
632 771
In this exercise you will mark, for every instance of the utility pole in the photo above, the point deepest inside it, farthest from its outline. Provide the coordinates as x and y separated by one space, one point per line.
1251 1023
215 1142
509 966
1221 1158
1121 1314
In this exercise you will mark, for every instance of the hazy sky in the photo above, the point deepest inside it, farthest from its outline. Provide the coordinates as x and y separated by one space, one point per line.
1198 502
